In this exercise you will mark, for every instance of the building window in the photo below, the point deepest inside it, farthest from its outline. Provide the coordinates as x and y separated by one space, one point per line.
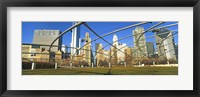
33 53
40 33
51 33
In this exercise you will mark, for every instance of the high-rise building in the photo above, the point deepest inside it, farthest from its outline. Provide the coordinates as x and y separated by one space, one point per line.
64 48
96 47
141 42
128 55
176 51
115 40
114 50
46 37
88 49
118 51
75 42
165 44
114 57
65 51
150 49
107 55
121 54
100 54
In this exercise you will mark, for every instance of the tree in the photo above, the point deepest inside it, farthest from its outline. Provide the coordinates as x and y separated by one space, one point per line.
103 63
147 61
172 61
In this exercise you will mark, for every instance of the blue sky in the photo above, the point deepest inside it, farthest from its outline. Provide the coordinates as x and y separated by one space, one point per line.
100 27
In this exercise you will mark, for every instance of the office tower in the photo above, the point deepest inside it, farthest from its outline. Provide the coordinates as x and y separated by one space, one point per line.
119 49
121 54
65 51
150 49
107 55
96 48
114 57
100 54
75 41
115 40
141 42
114 50
64 48
87 49
165 44
176 51
128 55
46 37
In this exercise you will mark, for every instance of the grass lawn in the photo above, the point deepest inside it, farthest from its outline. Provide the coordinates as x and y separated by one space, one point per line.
105 71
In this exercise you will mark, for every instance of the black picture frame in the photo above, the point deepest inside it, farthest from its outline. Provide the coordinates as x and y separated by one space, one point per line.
99 3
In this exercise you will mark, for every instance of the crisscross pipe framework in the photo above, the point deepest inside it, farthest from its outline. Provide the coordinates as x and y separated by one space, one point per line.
156 29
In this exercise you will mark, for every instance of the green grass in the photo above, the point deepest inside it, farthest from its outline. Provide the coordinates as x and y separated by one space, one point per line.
105 71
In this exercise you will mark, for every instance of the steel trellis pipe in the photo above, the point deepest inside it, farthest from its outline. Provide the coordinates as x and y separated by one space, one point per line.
123 39
146 38
163 45
115 31
163 41
101 38
78 24
165 26
145 32
157 48
152 30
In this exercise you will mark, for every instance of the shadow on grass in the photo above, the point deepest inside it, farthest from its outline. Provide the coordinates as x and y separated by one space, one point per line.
109 72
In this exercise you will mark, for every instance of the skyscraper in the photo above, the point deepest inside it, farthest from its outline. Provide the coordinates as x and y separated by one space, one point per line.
46 37
165 44
114 50
150 49
121 54
119 50
96 50
176 51
114 57
115 40
96 47
88 49
100 54
141 42
64 49
75 42
128 56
